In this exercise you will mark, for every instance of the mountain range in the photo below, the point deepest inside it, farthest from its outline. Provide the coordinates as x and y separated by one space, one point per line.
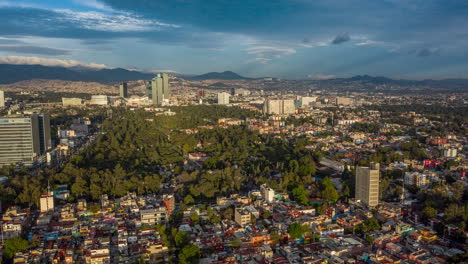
11 73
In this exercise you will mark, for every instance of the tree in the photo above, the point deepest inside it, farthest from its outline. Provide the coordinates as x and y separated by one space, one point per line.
181 239
429 211
329 192
189 199
195 218
299 195
190 254
275 237
14 245
296 230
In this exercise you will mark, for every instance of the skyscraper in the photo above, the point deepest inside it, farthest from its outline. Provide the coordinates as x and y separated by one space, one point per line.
223 98
367 184
2 99
24 138
160 88
123 90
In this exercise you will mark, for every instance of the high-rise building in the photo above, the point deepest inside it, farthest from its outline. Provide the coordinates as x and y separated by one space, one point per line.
367 184
223 98
123 90
279 106
160 89
2 99
24 138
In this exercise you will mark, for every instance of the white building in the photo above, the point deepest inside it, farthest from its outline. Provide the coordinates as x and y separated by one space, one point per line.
47 202
268 193
223 98
71 101
2 99
279 106
416 178
99 100
450 153
307 100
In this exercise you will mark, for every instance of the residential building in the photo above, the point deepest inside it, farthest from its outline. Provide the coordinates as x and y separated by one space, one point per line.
242 216
279 106
223 98
307 100
47 202
367 184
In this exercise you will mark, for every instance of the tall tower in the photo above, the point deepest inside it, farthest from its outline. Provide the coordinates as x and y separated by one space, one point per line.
165 88
367 184
156 89
123 90
160 88
2 99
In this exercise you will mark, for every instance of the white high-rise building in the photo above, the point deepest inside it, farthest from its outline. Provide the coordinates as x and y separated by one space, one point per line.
2 99
223 98
367 184
279 106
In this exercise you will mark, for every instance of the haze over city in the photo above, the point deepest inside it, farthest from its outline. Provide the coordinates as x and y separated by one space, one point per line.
295 39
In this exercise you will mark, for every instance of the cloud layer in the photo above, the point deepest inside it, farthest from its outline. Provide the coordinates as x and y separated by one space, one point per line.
20 60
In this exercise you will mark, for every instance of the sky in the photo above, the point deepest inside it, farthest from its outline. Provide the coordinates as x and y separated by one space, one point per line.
295 39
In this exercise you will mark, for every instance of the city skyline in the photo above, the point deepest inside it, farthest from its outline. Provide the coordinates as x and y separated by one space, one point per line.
293 39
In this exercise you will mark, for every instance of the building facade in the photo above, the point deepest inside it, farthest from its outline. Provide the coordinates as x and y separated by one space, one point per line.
223 98
123 90
24 138
160 89
279 106
367 184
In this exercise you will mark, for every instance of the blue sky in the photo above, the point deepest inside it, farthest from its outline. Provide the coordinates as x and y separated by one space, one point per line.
412 39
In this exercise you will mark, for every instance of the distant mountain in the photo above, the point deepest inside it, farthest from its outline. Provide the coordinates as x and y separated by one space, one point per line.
227 75
378 80
10 73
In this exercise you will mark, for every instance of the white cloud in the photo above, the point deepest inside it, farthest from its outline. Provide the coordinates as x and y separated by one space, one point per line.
20 60
93 4
115 22
319 76
265 54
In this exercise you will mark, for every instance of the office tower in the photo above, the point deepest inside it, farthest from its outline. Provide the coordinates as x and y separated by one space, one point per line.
123 90
47 202
2 99
165 89
24 138
367 184
279 107
45 142
149 89
160 88
223 98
